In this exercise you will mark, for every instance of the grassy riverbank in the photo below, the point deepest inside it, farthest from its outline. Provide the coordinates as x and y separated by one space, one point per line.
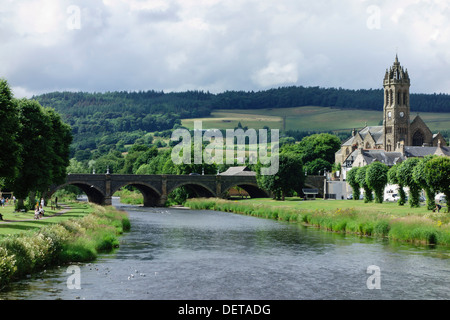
368 219
78 235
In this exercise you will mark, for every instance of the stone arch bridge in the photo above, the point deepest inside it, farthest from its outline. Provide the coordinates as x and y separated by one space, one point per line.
100 188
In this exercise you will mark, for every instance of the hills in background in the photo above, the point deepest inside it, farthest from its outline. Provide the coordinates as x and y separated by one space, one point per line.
115 119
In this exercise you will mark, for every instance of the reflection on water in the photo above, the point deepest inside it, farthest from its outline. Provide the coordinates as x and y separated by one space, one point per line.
189 254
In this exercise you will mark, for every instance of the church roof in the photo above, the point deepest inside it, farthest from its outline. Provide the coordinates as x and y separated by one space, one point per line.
412 151
375 131
388 158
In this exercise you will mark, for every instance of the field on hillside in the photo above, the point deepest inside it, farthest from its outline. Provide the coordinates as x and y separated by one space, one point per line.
307 119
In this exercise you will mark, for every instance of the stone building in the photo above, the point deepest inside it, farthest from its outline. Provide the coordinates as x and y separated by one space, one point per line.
399 137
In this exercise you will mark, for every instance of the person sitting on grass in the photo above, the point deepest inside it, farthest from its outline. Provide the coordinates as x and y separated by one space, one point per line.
36 213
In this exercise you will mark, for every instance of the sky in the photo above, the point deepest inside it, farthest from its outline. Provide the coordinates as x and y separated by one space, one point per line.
219 45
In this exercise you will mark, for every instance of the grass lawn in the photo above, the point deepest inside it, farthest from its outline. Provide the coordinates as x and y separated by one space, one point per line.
77 210
387 208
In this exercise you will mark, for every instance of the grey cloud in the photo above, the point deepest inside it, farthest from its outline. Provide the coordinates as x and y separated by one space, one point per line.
222 45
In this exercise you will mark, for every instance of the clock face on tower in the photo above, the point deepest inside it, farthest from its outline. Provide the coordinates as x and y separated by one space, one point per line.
389 115
402 114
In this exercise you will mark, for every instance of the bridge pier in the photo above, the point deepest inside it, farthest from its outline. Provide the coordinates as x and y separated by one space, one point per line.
108 201
163 198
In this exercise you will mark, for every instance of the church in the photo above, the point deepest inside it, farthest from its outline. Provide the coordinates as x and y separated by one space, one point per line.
398 138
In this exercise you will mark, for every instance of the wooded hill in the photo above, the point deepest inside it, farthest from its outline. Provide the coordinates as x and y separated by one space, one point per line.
94 116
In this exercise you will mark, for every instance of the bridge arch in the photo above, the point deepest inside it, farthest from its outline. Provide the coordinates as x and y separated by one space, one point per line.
93 192
252 189
152 197
200 189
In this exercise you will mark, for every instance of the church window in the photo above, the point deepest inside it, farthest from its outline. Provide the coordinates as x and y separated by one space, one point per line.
418 138
404 98
401 130
388 129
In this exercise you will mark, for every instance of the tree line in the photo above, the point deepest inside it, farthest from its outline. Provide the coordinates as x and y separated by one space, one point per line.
124 114
34 144
431 174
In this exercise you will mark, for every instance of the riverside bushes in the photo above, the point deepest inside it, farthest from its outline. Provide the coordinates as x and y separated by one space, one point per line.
411 229
75 240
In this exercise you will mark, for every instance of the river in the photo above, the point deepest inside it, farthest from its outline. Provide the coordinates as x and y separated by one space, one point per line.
181 254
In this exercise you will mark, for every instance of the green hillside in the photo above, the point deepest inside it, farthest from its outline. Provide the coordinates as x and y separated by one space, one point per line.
116 120
310 118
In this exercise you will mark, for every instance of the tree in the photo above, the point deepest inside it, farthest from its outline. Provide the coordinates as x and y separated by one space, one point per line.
9 126
59 137
76 167
376 179
290 176
405 177
318 166
419 175
36 156
437 174
316 151
392 178
353 182
113 161
361 178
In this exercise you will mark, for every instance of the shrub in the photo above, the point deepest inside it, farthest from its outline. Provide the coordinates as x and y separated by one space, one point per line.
382 228
7 266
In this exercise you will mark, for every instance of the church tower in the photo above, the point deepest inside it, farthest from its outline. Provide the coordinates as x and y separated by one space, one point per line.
396 107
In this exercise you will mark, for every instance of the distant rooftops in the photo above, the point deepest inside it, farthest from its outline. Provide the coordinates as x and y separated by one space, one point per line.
238 171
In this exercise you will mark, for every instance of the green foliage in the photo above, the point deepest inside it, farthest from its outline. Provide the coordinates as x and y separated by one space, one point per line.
290 176
316 151
437 175
42 154
376 179
392 178
75 240
419 175
353 182
361 178
112 161
9 125
405 177
7 266
59 139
